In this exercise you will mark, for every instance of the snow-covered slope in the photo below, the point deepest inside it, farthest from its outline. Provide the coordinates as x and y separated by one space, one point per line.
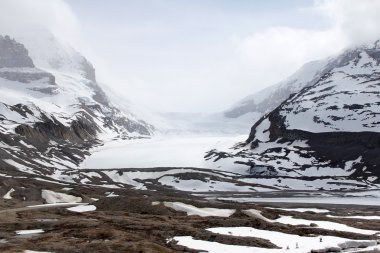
345 99
327 131
269 98
51 108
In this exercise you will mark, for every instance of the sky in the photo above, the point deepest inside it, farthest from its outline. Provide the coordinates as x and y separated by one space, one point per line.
198 55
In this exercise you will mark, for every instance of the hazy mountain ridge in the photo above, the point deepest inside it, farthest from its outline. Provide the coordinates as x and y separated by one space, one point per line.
269 98
52 109
329 130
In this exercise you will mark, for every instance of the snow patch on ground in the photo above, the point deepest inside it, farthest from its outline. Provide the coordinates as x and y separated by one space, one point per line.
329 225
255 214
82 208
296 243
55 197
355 217
30 231
302 210
368 201
203 212
8 194
33 251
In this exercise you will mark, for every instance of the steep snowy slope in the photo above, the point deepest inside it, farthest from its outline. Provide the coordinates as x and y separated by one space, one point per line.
269 98
51 108
327 131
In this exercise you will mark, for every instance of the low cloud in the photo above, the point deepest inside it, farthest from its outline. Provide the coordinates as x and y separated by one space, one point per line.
277 52
196 64
28 17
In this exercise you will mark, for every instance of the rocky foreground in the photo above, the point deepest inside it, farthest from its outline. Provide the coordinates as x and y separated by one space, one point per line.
127 220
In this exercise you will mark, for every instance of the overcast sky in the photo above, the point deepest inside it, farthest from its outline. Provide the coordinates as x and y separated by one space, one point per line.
199 55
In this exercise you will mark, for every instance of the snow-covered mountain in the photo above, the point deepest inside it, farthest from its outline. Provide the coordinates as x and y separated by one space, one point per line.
327 135
269 98
52 109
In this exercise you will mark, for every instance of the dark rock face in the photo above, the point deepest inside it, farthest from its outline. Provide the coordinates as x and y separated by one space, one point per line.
80 130
89 70
13 54
25 77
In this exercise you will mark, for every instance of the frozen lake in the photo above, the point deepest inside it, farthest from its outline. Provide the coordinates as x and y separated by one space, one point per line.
159 151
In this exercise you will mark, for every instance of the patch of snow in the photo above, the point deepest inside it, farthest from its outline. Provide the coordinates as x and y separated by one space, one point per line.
302 210
8 194
111 194
255 214
329 225
55 197
203 212
19 166
26 144
91 174
296 243
215 247
30 231
355 217
33 251
368 201
82 208
55 205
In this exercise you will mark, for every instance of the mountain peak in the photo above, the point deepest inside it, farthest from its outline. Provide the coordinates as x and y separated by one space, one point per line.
13 54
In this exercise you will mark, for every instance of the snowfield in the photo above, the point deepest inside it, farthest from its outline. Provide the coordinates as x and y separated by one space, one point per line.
367 201
305 244
325 225
159 151
295 243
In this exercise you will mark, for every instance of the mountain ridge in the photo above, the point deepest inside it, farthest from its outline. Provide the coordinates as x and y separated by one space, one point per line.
53 112
313 134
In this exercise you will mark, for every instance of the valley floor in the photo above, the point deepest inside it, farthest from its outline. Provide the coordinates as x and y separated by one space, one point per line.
129 220
128 197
